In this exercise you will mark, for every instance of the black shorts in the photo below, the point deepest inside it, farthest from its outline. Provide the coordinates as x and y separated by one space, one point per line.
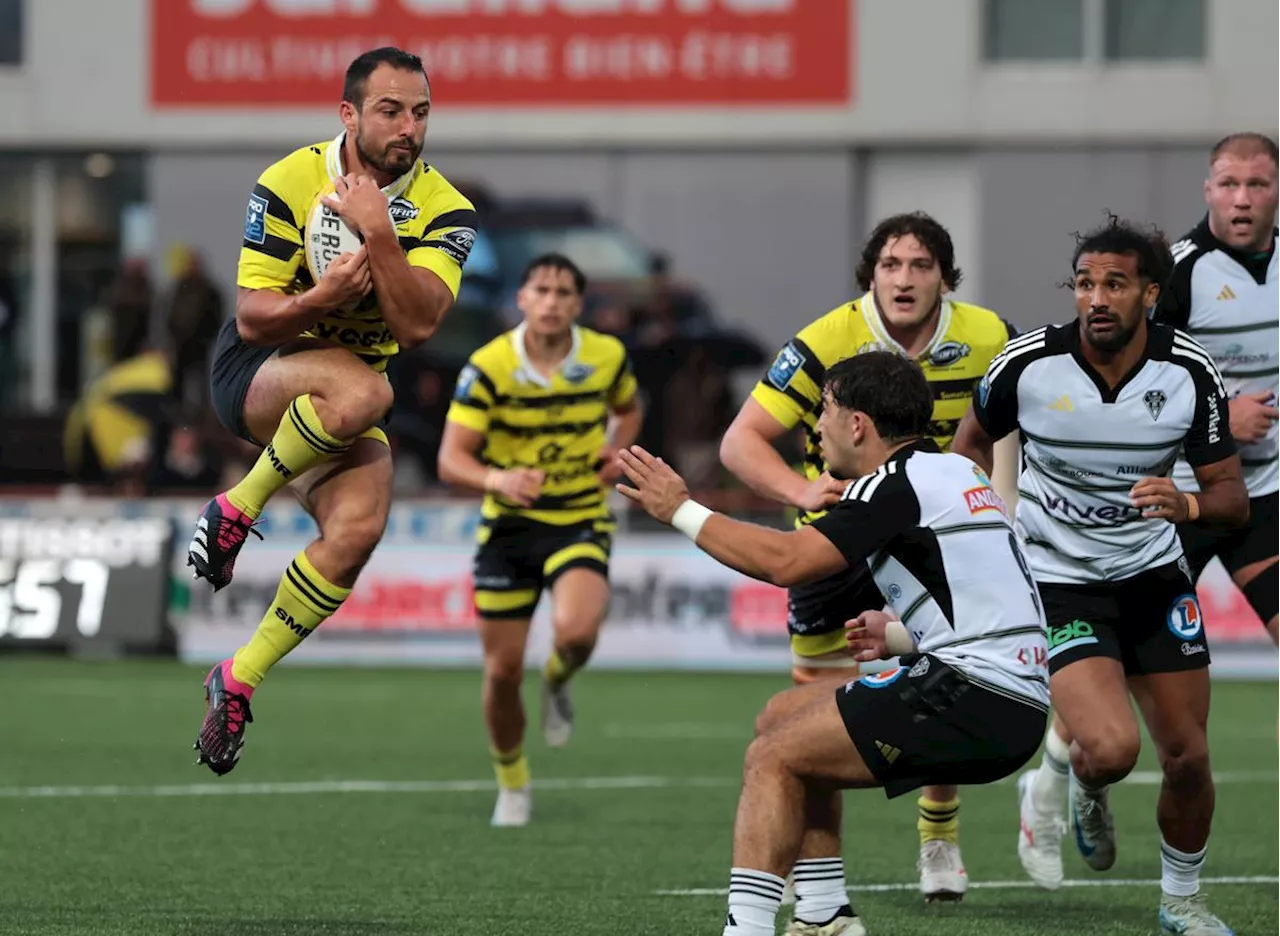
816 613
927 723
232 369
1151 622
518 558
1253 542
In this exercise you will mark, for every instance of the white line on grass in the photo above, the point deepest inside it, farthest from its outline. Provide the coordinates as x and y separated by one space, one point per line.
992 885
358 786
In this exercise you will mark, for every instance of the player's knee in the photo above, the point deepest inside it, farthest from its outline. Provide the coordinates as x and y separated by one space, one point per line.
354 537
1263 592
773 714
762 757
1112 755
1185 764
504 671
358 407
576 630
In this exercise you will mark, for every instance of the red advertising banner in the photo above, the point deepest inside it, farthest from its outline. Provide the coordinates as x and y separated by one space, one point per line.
495 53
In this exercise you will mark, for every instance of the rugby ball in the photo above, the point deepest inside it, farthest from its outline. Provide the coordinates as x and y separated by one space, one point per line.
326 236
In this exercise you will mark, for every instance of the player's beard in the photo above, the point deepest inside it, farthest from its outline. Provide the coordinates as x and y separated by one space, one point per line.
1116 341
403 158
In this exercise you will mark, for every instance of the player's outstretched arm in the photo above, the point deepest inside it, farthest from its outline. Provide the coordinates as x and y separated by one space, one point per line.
974 442
784 559
747 451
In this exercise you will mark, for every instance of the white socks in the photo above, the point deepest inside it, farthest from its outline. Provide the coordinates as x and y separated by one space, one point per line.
754 899
820 889
1180 871
1049 790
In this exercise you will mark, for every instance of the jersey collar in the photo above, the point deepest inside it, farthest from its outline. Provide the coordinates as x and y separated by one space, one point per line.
532 373
333 166
871 315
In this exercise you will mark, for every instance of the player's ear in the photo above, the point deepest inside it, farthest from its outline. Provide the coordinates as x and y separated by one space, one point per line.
349 114
1150 296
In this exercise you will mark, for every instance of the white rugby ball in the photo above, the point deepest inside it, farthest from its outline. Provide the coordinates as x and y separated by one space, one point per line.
326 236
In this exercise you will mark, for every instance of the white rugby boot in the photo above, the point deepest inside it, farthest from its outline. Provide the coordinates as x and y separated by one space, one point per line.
942 874
844 923
1039 837
513 809
1188 916
557 714
1093 825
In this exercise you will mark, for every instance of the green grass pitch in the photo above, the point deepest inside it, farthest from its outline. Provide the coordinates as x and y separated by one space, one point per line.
641 803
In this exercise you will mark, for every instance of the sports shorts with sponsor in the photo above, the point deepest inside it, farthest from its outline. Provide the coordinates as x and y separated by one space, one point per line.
926 722
519 557
1150 622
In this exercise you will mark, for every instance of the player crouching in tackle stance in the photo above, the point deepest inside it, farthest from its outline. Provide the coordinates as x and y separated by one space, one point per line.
1104 405
300 368
528 426
969 701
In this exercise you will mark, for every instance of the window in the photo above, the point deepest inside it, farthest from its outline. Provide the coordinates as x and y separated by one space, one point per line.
1033 29
11 32
1139 30
1093 31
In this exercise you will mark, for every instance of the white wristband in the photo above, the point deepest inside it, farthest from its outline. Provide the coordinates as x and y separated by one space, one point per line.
897 639
689 518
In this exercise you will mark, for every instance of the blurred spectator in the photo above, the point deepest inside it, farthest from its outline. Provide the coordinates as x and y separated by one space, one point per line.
129 299
185 462
195 315
8 327
692 432
111 433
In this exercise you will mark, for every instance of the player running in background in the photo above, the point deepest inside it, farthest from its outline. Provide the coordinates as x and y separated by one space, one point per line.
300 368
1104 405
529 427
906 268
969 700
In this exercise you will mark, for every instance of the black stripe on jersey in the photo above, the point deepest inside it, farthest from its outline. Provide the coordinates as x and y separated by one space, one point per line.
532 432
275 247
574 500
410 243
485 381
1091 444
1232 329
276 206
1259 462
459 217
1242 374
943 427
617 378
958 388
816 460
550 400
473 402
812 366
806 404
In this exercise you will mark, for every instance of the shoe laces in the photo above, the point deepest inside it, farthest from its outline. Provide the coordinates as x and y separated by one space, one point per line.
232 532
938 855
235 712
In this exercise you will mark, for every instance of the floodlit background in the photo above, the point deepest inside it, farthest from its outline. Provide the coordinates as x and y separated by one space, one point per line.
714 165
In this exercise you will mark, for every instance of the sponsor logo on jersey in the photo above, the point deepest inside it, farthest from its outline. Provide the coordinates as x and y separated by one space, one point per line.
1191 649
466 378
983 498
1107 513
1235 356
1155 401
1226 293
1185 620
1062 405
893 592
402 210
880 680
984 390
919 668
1136 469
888 751
577 372
1215 419
457 243
255 220
947 353
785 366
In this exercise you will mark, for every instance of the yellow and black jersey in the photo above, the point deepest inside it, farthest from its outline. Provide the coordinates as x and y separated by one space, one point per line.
557 425
966 340
435 223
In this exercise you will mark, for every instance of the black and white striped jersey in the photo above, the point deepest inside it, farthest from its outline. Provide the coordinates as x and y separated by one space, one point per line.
938 542
1229 301
1085 445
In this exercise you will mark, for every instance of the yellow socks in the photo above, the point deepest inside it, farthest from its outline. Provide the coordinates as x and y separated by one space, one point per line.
303 600
300 443
560 668
939 821
511 768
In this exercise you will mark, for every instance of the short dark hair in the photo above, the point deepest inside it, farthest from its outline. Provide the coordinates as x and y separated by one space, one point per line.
558 262
1245 144
1147 245
364 65
888 387
923 228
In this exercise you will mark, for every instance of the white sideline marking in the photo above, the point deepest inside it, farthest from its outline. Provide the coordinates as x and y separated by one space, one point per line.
991 885
359 786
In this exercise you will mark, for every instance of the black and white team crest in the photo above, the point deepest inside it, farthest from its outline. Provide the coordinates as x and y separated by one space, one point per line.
1155 400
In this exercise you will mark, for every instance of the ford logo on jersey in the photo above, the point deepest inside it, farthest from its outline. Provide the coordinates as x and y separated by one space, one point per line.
880 680
1185 619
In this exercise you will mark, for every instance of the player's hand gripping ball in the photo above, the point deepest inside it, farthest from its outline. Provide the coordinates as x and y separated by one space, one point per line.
327 237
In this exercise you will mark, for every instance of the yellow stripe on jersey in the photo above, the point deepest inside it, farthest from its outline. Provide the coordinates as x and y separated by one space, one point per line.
968 338
434 222
558 426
